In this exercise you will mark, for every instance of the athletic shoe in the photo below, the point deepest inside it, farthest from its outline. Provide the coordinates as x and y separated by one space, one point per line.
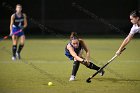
72 78
102 72
13 58
18 55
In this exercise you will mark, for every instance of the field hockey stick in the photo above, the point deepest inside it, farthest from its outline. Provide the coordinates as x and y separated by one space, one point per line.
5 37
89 79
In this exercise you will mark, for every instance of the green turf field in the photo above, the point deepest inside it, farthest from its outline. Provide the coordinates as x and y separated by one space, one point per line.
44 61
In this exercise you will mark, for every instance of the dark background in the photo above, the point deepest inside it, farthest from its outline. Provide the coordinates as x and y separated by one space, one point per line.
47 17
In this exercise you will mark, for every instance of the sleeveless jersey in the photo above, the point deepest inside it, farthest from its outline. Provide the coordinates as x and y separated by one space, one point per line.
77 51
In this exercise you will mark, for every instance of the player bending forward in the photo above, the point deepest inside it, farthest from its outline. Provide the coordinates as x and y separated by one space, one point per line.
135 20
74 50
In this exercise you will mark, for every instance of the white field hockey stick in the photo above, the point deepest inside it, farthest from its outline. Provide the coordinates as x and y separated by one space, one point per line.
89 79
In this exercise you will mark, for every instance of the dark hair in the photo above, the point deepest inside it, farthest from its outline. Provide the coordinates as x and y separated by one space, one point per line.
18 5
135 13
73 36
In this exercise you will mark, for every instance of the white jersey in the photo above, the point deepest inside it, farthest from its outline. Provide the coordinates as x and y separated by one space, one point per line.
135 29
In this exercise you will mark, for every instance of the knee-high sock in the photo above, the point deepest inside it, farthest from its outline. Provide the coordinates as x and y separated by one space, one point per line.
14 49
20 48
93 66
75 67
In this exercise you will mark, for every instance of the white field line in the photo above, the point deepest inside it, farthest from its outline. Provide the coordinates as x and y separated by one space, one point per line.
45 61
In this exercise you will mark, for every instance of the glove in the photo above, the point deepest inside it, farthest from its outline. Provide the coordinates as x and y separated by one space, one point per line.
22 28
118 52
11 33
84 61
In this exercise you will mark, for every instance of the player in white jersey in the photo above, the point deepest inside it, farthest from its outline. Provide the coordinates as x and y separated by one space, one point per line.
135 20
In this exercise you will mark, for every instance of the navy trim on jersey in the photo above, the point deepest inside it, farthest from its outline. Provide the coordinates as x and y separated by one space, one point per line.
18 21
76 50
18 25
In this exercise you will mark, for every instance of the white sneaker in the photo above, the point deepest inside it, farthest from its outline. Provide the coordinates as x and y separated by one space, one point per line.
13 58
72 78
102 72
18 55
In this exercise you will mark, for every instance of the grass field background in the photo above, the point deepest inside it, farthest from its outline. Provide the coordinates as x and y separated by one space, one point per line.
43 60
